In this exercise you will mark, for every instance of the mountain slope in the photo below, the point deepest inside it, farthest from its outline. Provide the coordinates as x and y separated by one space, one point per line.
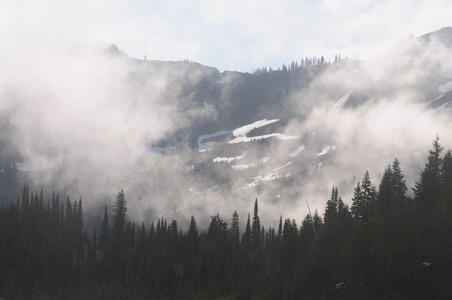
180 136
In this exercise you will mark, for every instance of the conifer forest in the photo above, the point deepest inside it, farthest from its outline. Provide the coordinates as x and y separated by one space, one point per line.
384 245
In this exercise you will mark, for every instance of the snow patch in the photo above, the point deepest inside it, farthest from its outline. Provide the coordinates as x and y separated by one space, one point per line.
227 159
244 130
265 159
437 98
298 151
326 150
202 147
246 166
445 87
243 167
244 139
341 101
270 176
33 165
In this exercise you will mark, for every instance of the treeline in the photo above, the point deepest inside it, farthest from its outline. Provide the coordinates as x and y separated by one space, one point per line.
386 245
303 63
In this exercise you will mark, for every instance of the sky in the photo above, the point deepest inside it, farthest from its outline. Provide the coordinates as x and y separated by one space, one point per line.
226 34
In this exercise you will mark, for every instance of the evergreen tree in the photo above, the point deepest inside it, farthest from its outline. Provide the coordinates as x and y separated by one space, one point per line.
256 227
386 191
289 248
331 206
234 232
218 230
246 239
104 231
280 228
400 188
427 188
119 216
364 199
392 189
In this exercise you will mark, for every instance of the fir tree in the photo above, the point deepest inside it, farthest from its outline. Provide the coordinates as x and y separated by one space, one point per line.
364 199
119 216
427 188
234 232
256 227
246 239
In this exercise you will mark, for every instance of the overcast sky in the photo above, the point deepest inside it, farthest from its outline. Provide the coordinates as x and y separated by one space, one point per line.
226 34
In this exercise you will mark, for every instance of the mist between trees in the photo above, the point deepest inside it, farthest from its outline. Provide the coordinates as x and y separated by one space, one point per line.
384 245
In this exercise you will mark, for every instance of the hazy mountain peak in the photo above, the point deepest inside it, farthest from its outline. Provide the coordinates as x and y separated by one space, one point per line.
444 35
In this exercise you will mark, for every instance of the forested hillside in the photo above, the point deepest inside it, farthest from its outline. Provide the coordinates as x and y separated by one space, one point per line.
384 245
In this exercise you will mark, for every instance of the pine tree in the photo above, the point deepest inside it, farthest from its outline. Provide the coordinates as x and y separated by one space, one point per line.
364 199
280 228
427 188
104 231
331 206
400 188
218 230
246 239
385 191
392 189
119 216
289 248
256 227
234 232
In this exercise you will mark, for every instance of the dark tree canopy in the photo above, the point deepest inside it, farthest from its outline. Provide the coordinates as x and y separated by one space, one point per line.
386 246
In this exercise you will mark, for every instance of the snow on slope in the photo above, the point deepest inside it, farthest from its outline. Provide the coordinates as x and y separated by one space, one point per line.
326 150
298 151
270 176
241 132
244 139
341 101
40 164
246 166
202 147
437 98
244 130
228 159
445 87
240 135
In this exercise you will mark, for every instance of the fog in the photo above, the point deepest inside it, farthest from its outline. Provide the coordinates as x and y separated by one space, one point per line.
103 111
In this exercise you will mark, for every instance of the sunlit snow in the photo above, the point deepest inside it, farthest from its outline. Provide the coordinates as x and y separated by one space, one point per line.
227 159
270 176
341 101
246 166
244 130
326 150
243 166
244 139
298 151
202 147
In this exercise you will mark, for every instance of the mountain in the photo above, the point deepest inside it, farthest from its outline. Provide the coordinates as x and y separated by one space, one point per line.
180 137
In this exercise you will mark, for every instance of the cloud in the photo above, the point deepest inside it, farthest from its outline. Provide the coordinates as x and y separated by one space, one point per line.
64 94
232 35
